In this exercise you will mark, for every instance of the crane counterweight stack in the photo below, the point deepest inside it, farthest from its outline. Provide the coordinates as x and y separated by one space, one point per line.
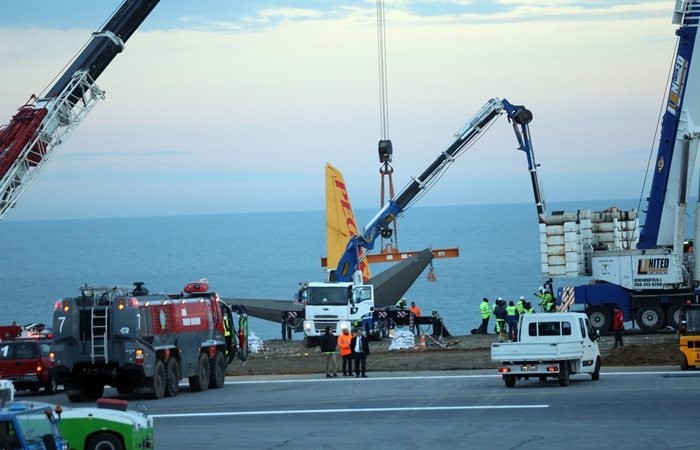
648 271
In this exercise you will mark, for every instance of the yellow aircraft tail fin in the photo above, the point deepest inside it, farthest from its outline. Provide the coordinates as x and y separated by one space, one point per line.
340 220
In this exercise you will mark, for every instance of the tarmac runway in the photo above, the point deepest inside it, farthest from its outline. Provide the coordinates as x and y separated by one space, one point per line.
627 408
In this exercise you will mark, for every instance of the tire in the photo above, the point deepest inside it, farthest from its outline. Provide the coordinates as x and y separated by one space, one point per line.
650 318
673 317
311 341
51 385
104 441
600 317
200 382
125 390
75 391
172 377
94 390
509 380
684 362
564 374
217 371
157 387
595 376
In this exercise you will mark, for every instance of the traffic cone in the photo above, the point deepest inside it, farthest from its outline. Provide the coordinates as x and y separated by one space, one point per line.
422 341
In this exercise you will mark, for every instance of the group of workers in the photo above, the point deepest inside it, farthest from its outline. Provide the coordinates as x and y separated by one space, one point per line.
508 314
353 348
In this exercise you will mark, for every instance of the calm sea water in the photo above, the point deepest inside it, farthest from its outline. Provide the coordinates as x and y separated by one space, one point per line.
266 255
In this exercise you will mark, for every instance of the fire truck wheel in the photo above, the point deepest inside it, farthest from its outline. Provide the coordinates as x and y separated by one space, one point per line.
217 372
104 441
94 390
50 386
172 378
158 382
125 389
200 382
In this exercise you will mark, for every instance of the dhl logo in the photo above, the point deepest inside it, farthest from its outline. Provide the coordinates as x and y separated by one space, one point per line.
350 223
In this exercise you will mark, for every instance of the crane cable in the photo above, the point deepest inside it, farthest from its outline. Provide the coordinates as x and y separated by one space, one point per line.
381 55
385 147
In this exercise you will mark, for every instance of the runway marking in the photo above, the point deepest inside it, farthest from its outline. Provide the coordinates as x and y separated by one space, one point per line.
325 380
346 410
419 377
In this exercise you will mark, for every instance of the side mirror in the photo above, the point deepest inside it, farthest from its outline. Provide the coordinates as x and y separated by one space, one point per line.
353 310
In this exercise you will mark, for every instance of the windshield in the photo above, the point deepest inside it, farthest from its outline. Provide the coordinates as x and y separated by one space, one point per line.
549 329
34 424
18 350
692 320
331 295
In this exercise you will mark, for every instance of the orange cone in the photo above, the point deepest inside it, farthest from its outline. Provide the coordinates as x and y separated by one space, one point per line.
422 341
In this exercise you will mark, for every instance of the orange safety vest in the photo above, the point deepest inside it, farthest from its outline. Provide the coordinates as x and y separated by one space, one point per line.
344 343
415 310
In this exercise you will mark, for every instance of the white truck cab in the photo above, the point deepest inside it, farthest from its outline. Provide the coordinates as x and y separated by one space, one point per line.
553 345
336 305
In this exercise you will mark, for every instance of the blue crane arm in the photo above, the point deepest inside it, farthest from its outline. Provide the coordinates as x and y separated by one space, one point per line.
106 44
360 244
673 173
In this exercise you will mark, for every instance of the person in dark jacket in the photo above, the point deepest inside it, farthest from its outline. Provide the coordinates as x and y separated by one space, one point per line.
360 350
512 321
500 313
328 344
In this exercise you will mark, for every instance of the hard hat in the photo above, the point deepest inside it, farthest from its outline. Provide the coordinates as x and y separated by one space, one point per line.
522 297
541 289
499 298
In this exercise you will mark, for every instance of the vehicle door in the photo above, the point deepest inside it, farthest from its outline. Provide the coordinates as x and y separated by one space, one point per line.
589 340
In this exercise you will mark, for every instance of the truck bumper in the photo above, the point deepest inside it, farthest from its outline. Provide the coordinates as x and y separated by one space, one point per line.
530 369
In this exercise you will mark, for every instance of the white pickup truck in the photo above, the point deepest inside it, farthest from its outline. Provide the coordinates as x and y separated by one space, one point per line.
549 345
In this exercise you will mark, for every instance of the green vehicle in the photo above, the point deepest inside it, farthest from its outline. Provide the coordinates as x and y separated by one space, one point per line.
109 426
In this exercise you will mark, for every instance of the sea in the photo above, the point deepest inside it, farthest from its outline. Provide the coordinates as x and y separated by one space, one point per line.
267 255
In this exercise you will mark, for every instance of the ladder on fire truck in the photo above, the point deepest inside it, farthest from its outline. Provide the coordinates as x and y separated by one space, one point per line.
58 117
98 326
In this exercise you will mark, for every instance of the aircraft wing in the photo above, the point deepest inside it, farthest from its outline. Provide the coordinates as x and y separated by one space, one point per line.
263 308
389 286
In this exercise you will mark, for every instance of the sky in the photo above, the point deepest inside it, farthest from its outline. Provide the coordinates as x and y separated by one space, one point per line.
220 106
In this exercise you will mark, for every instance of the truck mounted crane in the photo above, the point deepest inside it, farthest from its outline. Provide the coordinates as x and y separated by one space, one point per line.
343 298
39 127
649 273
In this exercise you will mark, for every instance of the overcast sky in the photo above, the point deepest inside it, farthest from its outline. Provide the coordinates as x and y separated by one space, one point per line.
233 106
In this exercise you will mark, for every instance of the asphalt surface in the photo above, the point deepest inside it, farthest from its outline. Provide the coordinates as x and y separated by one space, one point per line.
648 408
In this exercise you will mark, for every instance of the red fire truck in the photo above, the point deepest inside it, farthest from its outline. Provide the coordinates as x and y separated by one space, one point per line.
135 341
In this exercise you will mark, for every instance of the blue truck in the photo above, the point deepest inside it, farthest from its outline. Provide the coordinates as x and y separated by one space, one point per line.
646 271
